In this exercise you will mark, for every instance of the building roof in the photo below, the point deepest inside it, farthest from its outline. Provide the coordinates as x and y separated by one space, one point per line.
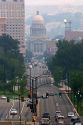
38 18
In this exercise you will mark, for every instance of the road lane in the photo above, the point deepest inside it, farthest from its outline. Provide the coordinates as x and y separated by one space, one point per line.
54 103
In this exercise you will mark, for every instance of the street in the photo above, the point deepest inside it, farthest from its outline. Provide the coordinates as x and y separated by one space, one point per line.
54 102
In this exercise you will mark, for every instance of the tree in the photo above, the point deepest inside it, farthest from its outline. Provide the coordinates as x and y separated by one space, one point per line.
76 81
11 61
68 58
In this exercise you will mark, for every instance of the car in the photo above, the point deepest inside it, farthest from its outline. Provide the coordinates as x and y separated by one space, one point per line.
60 122
59 117
46 115
13 111
75 118
70 114
57 113
3 97
77 123
45 121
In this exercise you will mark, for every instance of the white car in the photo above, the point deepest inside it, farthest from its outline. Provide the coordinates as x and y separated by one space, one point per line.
60 116
57 113
70 114
13 111
3 97
78 123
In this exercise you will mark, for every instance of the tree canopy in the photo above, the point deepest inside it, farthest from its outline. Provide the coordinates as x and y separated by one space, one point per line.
11 61
68 60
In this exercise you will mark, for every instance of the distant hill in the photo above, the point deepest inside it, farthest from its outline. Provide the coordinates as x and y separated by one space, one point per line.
54 20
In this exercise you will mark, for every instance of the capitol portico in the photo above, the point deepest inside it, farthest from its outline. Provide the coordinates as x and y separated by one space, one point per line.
37 43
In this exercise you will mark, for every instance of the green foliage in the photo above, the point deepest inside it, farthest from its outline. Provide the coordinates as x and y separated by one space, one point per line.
76 81
69 55
68 62
11 62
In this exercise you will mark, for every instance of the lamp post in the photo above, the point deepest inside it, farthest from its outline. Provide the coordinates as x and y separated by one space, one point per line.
30 67
19 100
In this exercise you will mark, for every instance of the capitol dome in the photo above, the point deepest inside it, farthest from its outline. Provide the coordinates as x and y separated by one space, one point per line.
38 19
38 28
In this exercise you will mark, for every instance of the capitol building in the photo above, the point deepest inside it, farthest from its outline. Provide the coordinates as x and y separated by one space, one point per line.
38 42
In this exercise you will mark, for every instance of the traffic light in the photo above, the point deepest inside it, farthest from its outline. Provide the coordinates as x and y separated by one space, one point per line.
33 108
36 101
8 99
29 96
60 94
22 98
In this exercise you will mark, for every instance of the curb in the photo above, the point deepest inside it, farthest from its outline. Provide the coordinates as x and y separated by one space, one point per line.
72 105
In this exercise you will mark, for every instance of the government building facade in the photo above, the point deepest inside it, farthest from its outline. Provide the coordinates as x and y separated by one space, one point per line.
38 40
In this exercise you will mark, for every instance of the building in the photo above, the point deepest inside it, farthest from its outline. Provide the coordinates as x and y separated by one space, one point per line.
51 47
13 12
37 42
74 35
71 34
2 26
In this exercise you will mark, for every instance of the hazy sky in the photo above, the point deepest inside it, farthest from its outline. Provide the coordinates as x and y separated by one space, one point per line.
53 2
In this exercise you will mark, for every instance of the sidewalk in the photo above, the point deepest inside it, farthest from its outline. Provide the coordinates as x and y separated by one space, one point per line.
18 123
65 88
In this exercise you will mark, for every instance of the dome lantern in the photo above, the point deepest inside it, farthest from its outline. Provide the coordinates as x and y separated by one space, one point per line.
38 19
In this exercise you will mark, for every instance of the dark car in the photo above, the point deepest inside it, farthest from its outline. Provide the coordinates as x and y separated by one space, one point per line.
46 115
75 118
45 120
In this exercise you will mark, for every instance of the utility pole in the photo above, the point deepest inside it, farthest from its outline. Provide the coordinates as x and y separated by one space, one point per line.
36 80
19 102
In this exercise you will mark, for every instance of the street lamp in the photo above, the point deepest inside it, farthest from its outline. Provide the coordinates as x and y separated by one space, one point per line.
30 67
19 98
